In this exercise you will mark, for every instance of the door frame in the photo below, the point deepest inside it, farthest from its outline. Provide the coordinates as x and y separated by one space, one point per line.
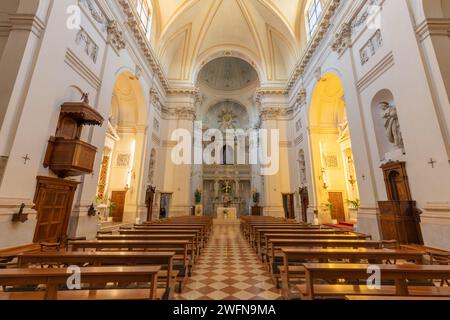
290 205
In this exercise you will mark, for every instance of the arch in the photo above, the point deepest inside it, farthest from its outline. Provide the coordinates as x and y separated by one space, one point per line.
334 177
227 51
123 151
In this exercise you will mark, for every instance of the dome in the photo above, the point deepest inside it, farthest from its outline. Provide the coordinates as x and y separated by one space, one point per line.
228 74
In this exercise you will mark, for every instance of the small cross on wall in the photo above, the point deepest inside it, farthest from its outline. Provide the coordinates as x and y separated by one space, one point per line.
432 162
26 158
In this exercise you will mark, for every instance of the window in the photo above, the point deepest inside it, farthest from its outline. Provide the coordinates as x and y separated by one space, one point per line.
313 15
144 14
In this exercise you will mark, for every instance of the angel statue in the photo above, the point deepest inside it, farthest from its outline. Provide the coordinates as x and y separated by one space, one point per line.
392 125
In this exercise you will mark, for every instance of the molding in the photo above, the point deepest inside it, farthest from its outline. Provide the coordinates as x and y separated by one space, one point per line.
27 22
319 35
433 27
84 71
143 43
383 66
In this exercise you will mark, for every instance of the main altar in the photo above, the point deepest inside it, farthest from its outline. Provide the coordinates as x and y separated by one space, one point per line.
229 214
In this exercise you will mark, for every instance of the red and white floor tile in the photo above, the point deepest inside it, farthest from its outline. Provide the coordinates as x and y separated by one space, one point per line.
229 269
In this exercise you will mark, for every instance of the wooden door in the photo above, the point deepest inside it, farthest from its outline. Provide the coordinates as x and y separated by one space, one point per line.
53 203
288 204
164 205
304 199
118 198
149 198
338 211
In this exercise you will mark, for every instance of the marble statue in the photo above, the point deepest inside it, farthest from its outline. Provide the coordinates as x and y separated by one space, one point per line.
392 125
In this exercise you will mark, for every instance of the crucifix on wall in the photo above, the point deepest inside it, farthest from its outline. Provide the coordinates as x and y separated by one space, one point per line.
432 163
26 158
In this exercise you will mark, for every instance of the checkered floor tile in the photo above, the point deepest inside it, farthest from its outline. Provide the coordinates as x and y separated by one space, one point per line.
229 269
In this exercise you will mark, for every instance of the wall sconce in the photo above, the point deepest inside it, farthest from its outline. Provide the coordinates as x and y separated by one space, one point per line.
20 216
92 212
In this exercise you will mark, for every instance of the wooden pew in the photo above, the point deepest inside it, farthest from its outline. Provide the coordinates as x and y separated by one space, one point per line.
257 228
313 236
181 246
200 239
356 272
157 236
275 245
97 259
53 278
205 224
260 240
293 258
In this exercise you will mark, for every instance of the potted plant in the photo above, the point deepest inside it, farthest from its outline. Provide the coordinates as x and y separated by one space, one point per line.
111 207
256 198
198 196
329 208
353 207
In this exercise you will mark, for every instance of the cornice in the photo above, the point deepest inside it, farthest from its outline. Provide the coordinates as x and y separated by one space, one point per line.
433 27
27 22
143 43
314 43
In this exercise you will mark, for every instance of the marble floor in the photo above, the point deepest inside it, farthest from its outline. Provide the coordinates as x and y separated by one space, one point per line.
228 269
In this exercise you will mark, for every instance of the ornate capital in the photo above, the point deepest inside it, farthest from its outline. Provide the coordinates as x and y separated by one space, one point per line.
274 113
301 97
115 36
180 113
342 39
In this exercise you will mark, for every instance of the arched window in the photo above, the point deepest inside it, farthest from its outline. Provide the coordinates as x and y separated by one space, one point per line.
144 13
313 13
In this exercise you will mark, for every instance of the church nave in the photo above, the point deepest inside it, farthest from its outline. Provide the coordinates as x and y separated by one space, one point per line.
229 270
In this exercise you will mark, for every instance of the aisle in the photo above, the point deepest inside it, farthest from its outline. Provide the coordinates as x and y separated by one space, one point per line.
229 270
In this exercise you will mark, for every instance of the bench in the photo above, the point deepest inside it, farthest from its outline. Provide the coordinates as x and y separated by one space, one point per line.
96 259
293 257
399 274
181 247
157 236
54 278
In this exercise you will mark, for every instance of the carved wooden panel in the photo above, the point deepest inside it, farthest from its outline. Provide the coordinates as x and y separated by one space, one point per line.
396 181
399 220
53 203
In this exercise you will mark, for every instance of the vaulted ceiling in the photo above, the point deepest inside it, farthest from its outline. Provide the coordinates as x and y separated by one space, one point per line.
187 34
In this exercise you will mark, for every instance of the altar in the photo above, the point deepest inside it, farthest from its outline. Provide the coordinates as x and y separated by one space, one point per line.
226 213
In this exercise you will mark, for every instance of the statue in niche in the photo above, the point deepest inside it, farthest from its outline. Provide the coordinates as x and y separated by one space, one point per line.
392 125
